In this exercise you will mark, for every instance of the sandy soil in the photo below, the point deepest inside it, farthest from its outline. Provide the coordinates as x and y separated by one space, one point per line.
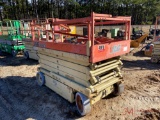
21 98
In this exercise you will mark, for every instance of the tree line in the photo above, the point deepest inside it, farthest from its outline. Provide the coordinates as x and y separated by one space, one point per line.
142 11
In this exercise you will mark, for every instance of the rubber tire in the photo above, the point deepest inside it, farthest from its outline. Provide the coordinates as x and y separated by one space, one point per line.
85 103
118 89
154 60
26 55
14 53
40 78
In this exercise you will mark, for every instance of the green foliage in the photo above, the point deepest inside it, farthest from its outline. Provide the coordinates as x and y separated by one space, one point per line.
6 19
142 11
149 23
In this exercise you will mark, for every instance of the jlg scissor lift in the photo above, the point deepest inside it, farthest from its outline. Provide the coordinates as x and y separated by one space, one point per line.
11 37
82 69
155 58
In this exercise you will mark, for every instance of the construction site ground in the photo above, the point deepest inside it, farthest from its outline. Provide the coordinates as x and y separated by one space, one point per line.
21 98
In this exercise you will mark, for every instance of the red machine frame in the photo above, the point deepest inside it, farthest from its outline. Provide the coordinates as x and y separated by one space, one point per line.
156 38
97 48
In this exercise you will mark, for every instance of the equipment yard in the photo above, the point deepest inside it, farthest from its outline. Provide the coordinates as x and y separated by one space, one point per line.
79 59
21 98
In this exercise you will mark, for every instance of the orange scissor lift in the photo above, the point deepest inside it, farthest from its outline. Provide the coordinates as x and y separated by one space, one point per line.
155 58
82 69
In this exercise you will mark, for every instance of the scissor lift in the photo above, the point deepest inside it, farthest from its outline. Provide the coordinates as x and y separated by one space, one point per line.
11 37
30 51
82 69
155 58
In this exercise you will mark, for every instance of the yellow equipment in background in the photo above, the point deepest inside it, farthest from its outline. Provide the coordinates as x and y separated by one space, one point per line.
73 29
135 43
148 50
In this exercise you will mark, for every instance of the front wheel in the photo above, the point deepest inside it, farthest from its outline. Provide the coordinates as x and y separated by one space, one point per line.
82 103
14 53
118 89
40 78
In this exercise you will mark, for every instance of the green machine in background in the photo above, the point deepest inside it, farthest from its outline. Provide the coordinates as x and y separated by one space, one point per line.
11 37
114 32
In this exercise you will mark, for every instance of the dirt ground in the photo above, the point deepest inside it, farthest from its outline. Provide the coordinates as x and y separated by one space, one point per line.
21 98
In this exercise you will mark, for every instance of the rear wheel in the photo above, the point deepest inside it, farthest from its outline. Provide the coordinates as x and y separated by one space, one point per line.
82 103
26 55
154 60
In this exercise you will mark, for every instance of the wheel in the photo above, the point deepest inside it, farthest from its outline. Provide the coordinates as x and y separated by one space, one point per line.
118 89
154 60
26 55
40 78
82 103
14 53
